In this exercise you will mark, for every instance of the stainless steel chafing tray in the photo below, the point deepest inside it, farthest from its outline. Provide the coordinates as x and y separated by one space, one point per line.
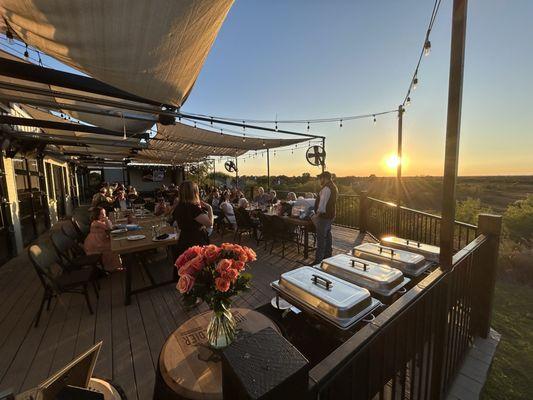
341 303
378 278
411 264
431 252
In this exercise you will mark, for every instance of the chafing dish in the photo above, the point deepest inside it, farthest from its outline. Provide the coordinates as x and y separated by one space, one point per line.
341 303
377 278
431 253
411 264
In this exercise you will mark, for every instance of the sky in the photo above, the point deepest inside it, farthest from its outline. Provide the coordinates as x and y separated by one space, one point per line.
307 59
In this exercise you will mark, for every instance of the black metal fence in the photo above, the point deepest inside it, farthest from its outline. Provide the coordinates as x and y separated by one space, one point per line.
414 349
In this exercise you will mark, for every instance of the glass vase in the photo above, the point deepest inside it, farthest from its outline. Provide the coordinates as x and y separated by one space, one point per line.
221 329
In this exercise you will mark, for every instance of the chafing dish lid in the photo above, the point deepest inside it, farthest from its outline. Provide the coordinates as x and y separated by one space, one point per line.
412 244
389 253
332 295
352 266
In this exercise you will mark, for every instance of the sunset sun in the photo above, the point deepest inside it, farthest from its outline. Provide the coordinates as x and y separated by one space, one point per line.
392 161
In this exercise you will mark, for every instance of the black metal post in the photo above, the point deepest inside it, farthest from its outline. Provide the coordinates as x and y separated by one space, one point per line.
268 169
399 186
453 128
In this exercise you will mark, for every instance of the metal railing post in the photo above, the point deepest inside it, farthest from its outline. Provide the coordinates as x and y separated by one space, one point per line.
490 226
363 211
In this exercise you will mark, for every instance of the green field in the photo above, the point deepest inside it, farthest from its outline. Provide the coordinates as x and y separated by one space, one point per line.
511 376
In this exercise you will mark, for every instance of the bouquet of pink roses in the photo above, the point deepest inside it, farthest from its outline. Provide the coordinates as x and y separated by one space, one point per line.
214 274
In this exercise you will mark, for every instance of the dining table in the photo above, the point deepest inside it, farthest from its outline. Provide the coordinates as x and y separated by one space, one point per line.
132 245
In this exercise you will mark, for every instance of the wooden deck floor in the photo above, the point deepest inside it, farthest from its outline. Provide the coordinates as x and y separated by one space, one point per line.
133 335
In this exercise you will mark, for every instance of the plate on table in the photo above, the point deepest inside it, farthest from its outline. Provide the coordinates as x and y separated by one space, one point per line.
283 304
136 237
117 231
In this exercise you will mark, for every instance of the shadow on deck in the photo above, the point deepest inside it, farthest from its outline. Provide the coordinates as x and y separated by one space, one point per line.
132 335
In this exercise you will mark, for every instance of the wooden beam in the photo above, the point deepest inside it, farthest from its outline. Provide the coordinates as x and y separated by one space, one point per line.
453 128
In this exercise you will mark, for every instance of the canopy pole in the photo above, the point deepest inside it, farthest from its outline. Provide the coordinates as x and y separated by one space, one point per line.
399 168
453 129
324 149
236 172
214 174
268 169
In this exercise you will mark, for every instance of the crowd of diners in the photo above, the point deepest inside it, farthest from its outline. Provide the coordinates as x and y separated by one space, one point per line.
195 211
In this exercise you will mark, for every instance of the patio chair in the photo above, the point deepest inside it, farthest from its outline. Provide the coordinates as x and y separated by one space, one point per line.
82 228
245 224
70 230
284 233
266 229
71 256
43 259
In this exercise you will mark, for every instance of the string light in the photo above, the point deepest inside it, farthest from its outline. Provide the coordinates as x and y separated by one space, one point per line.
9 36
340 123
211 121
221 131
374 119
276 127
195 124
427 47
408 102
243 125
244 138
415 83
26 53
307 125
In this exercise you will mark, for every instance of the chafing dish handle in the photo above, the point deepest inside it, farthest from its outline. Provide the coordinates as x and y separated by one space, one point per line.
381 249
417 243
320 280
365 265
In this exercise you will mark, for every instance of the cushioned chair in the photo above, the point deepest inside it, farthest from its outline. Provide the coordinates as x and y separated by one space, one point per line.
70 230
44 258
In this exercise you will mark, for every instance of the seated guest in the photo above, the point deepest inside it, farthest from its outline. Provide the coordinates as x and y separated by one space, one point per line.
98 242
273 197
161 208
262 198
227 208
291 196
100 197
121 201
193 217
243 203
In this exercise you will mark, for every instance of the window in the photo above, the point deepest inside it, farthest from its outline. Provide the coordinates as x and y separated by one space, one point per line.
50 180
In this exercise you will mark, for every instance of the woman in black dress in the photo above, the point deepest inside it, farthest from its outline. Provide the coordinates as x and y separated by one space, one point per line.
193 217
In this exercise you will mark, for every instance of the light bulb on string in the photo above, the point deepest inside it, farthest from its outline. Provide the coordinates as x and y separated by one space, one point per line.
243 125
243 138
26 53
408 102
276 127
195 124
427 47
374 119
221 131
211 122
308 125
9 36
264 144
340 123
415 83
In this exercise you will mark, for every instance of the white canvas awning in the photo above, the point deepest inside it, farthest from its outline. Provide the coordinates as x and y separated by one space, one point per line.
46 92
154 49
180 141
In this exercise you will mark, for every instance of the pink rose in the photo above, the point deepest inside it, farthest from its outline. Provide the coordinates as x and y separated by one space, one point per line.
188 255
222 284
223 265
251 254
211 253
230 274
185 283
239 265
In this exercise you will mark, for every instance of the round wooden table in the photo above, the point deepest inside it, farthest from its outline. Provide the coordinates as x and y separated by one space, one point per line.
188 369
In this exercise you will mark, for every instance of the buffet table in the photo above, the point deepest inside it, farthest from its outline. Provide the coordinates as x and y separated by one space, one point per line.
187 368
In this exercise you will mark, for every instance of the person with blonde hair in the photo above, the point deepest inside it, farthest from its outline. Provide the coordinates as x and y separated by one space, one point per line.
193 218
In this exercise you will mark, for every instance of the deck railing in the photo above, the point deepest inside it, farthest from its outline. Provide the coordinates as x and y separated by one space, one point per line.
415 347
384 218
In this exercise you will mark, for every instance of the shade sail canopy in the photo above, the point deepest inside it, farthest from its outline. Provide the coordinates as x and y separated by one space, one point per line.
154 49
180 141
115 120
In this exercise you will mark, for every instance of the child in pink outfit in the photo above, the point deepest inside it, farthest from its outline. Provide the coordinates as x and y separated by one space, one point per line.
98 242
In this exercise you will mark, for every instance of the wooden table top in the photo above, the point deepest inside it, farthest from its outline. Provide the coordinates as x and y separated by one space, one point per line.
181 360
121 245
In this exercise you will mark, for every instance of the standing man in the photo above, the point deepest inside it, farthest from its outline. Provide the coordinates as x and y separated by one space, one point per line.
325 209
